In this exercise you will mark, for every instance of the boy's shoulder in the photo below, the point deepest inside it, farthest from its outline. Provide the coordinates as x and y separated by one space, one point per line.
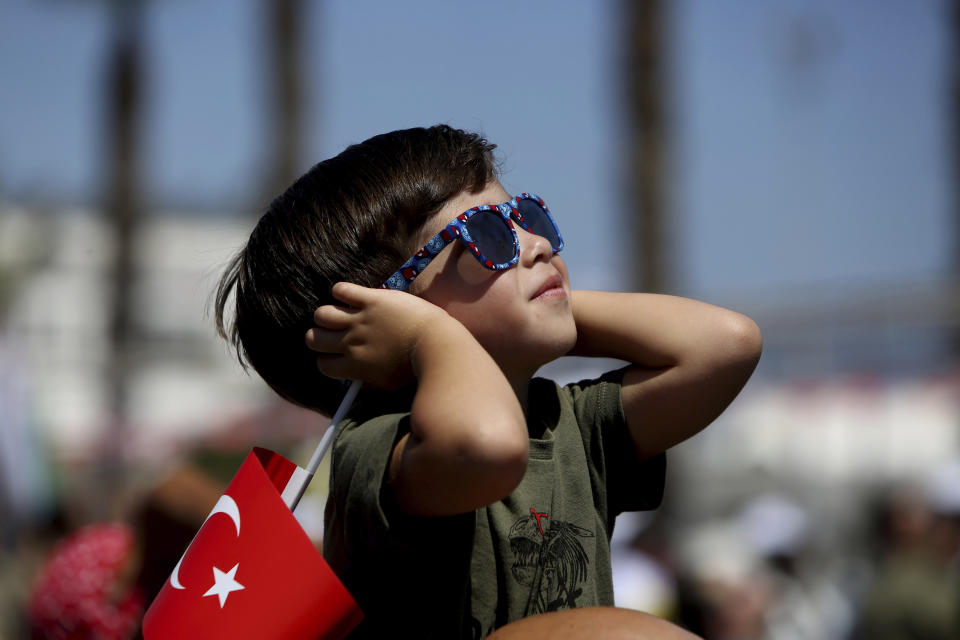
585 395
588 403
370 429
363 444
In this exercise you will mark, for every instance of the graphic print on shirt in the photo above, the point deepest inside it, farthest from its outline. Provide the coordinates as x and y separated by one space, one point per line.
549 558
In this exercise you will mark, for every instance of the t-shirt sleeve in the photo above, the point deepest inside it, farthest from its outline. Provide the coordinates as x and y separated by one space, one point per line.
363 501
360 461
377 549
621 481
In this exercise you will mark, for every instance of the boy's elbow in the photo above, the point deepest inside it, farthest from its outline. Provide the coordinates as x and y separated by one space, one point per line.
457 472
503 478
502 454
513 467
743 341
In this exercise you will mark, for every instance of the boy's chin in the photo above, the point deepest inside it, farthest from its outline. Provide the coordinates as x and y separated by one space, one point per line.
560 345
564 347
542 353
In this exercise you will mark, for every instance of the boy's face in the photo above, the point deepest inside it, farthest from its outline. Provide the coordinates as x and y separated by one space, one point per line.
522 316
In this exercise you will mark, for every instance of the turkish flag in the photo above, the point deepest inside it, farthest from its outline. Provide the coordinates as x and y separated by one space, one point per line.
251 571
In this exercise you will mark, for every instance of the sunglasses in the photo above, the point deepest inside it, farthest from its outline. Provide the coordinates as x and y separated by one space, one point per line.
488 232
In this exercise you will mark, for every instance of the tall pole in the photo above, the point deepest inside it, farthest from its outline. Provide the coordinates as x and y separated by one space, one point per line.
284 20
954 102
123 210
644 20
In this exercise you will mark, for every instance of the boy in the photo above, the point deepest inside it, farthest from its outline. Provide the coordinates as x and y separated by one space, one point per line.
466 494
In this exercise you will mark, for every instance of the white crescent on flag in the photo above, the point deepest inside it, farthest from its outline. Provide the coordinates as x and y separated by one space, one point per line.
297 595
226 505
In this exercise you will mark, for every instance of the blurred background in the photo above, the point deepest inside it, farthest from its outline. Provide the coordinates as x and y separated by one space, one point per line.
795 160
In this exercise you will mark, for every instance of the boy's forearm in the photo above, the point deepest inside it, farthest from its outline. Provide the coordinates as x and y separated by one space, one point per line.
656 331
690 359
468 440
460 387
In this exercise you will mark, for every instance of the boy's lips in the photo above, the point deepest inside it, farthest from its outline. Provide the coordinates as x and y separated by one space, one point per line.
552 285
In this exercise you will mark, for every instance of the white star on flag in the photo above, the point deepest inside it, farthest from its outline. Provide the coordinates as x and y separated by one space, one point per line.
223 584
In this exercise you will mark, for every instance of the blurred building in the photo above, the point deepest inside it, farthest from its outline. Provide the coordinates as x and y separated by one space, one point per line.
847 376
858 389
184 379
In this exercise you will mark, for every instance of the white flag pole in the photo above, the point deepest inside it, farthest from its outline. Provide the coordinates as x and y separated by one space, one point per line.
327 439
292 494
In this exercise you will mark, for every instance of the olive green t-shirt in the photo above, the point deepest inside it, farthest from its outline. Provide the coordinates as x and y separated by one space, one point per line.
545 547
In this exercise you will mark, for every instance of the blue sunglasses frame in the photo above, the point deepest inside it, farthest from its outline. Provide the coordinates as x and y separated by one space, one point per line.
457 230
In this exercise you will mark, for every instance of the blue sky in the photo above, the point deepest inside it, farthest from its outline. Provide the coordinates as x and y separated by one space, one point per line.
810 142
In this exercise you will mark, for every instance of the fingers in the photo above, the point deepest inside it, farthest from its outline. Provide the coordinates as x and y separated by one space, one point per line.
333 322
333 365
332 317
353 294
331 346
325 341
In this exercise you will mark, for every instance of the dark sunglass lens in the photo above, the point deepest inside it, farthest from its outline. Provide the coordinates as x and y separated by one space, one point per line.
491 236
538 222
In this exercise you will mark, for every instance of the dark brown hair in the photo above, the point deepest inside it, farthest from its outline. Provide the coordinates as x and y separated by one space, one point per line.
350 218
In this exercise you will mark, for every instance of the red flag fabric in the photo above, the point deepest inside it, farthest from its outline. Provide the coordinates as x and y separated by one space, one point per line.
251 571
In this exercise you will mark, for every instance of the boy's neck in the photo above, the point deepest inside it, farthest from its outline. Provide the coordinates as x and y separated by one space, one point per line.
521 386
547 411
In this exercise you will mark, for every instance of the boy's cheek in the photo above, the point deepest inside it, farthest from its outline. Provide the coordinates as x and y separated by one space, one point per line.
472 274
455 281
561 266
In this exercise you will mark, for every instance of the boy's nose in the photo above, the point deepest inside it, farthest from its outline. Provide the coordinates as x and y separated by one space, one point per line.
533 247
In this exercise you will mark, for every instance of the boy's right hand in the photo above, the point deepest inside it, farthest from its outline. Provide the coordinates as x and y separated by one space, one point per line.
454 458
373 337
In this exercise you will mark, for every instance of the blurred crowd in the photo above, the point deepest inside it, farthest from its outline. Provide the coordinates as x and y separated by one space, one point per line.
86 563
66 580
760 572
